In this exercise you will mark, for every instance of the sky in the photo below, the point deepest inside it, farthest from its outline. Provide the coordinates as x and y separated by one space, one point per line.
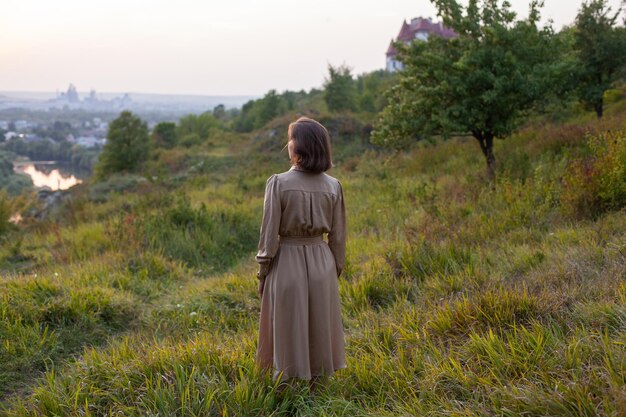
204 47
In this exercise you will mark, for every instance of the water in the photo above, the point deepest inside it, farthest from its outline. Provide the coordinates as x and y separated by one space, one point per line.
52 174
16 218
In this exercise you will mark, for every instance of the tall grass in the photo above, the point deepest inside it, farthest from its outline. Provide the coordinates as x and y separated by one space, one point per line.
457 299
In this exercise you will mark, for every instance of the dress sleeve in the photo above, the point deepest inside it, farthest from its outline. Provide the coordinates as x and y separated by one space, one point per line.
268 240
337 236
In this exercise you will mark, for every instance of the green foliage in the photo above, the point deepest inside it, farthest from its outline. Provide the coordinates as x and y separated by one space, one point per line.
421 260
597 183
6 166
214 238
63 151
57 131
219 112
6 211
116 183
14 183
126 148
247 118
164 135
256 113
50 316
370 88
190 139
44 320
456 299
503 309
481 83
270 107
201 126
345 93
340 89
600 51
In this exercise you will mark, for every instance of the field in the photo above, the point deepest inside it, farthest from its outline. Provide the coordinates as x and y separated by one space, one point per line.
459 298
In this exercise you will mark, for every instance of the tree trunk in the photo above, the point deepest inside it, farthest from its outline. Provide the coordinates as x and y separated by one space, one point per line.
486 145
599 107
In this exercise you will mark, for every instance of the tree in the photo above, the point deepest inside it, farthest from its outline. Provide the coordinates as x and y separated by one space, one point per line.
481 83
370 88
219 112
201 125
256 113
600 48
340 89
164 135
60 130
270 106
126 148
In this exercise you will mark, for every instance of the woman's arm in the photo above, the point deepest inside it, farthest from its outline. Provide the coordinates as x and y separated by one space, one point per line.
337 236
268 240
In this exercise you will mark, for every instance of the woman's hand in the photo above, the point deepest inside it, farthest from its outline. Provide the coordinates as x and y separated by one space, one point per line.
261 285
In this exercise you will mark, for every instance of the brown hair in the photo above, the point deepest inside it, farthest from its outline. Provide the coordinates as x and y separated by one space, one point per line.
311 151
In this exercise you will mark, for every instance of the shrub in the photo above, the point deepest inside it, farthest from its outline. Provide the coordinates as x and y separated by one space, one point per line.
597 183
164 135
117 183
5 213
192 139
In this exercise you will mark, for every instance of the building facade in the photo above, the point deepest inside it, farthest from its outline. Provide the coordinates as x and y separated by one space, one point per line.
419 29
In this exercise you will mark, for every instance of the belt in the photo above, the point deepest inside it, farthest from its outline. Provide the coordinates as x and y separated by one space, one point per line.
301 240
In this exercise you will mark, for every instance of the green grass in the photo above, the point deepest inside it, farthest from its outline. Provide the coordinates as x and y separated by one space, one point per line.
458 299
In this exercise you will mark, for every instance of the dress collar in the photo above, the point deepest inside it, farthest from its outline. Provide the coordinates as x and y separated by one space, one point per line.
296 168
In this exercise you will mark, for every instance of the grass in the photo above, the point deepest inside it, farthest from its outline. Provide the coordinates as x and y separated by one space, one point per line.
457 299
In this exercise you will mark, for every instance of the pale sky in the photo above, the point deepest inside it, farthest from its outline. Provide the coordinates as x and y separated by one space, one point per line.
227 47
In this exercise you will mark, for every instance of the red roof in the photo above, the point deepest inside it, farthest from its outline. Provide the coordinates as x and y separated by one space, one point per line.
406 34
392 51
418 25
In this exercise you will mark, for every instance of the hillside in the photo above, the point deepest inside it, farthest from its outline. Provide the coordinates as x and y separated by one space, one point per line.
458 298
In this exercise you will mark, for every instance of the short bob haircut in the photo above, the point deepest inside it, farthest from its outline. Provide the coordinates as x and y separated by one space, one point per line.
311 151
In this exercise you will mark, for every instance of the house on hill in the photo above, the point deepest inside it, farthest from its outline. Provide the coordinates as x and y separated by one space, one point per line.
418 29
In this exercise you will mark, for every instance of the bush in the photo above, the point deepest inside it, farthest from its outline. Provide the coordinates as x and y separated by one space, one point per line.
14 183
164 135
597 183
191 139
5 214
115 183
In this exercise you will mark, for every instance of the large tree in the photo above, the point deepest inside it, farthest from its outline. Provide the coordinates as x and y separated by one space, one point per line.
481 83
126 148
600 48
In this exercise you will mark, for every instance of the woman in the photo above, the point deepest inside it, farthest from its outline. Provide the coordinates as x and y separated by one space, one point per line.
300 330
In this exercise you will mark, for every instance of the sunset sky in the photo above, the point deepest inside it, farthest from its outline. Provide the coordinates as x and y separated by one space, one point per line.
204 47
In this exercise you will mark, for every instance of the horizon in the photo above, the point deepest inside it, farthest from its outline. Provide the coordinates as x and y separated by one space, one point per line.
243 48
98 92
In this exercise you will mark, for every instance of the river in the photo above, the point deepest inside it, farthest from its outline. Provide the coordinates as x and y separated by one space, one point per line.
52 174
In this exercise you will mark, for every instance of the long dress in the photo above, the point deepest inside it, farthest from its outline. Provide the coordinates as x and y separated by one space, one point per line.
300 329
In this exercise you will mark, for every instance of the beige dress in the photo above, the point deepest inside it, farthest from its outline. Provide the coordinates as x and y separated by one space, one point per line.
300 330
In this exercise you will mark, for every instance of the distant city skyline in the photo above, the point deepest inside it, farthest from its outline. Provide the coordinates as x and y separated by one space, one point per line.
241 47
